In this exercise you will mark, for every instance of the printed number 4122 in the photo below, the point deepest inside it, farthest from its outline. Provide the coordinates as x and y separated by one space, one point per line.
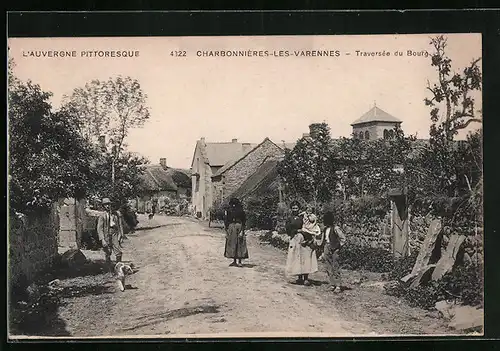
178 53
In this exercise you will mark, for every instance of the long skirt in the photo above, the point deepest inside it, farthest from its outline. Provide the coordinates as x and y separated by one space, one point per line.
332 265
236 246
300 259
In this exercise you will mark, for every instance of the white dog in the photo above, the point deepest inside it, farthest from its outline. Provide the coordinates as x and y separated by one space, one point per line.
121 271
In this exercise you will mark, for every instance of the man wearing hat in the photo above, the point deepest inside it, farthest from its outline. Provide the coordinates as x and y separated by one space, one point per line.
110 231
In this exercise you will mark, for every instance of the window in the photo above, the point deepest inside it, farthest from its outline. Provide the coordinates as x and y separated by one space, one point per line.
367 135
391 134
386 134
361 135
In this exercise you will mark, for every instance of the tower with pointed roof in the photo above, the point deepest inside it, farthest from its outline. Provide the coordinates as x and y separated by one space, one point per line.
375 124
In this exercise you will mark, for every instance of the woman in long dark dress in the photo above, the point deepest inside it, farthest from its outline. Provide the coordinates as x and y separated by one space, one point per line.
234 223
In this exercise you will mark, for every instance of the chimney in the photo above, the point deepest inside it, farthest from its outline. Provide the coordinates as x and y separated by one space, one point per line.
163 162
102 142
234 140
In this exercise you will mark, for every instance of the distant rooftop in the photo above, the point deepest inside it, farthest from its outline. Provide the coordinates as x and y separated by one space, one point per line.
376 114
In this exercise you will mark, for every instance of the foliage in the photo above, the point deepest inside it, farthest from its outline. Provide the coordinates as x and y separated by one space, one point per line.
452 93
372 167
48 159
261 212
402 267
463 283
128 171
280 241
109 108
355 257
453 169
308 170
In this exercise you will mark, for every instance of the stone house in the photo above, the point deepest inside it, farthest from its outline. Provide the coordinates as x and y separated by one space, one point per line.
232 175
208 159
375 124
159 183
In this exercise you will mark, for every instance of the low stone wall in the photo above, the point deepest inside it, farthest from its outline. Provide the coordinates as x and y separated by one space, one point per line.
33 242
369 232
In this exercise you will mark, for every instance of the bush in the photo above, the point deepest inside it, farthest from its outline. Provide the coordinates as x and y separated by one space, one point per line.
463 283
402 267
261 212
371 259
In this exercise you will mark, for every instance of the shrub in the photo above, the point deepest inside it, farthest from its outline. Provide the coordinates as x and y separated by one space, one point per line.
402 267
261 212
464 283
372 259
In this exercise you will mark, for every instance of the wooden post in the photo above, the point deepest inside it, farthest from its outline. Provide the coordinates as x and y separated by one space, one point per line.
399 223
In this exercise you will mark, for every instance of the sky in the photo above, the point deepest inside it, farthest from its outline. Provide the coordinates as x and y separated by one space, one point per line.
249 98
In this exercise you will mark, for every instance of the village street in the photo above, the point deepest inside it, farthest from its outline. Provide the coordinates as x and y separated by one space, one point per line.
184 285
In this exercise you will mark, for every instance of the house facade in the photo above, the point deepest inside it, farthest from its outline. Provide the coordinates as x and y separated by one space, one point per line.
234 173
208 159
375 124
162 184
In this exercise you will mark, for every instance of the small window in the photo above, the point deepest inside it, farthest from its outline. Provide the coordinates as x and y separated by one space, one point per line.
391 134
386 134
361 135
367 135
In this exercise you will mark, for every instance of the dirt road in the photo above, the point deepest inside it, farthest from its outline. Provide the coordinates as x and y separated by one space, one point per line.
184 285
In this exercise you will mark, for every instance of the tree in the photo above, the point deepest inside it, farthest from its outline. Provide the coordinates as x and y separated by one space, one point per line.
88 107
372 167
109 108
308 170
128 184
48 159
453 93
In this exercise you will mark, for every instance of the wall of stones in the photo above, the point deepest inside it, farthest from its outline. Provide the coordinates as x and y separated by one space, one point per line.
235 176
376 233
33 242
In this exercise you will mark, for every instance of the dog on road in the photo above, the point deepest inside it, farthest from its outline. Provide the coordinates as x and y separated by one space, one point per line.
121 271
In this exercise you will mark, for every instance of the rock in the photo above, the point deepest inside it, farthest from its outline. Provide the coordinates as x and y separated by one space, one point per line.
33 291
445 308
73 257
467 317
54 282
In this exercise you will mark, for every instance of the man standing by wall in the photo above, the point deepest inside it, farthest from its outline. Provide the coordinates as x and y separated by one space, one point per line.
110 231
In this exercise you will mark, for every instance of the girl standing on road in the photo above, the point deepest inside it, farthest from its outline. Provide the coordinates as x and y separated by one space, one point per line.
234 223
335 239
301 260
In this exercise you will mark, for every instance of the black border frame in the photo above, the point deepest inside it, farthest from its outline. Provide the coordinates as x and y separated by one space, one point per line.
310 22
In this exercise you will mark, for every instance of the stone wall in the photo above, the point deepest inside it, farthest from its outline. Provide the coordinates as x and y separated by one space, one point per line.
370 232
376 233
33 242
236 175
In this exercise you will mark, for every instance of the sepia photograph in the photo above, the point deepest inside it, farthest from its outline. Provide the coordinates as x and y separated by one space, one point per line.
245 186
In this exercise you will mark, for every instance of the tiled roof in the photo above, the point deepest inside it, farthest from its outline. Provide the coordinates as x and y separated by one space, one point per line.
261 181
238 159
375 115
219 154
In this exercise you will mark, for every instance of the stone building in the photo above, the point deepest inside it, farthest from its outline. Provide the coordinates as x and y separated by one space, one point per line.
160 184
208 159
375 124
232 175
